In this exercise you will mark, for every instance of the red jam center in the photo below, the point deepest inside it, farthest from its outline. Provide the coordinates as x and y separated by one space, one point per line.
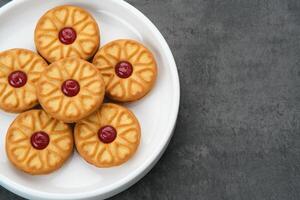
123 69
67 35
40 140
17 79
107 134
70 88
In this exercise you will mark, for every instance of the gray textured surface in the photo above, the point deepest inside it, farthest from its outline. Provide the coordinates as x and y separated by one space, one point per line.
238 131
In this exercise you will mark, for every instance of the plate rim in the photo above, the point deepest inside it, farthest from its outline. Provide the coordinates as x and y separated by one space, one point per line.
145 167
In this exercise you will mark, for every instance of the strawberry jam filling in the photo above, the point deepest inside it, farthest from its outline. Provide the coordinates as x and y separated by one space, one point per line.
107 134
70 88
123 69
17 79
40 140
67 35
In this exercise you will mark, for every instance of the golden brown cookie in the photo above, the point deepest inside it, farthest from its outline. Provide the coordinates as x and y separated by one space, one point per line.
108 137
128 69
37 143
67 31
70 89
19 71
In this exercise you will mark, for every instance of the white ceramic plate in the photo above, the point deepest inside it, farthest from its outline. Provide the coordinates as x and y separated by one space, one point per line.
157 112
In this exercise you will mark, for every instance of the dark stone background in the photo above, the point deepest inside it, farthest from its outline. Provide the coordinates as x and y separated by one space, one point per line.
238 130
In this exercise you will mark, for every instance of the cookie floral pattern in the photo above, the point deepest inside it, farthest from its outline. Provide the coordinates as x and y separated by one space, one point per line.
70 108
61 21
29 159
15 98
143 74
113 153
